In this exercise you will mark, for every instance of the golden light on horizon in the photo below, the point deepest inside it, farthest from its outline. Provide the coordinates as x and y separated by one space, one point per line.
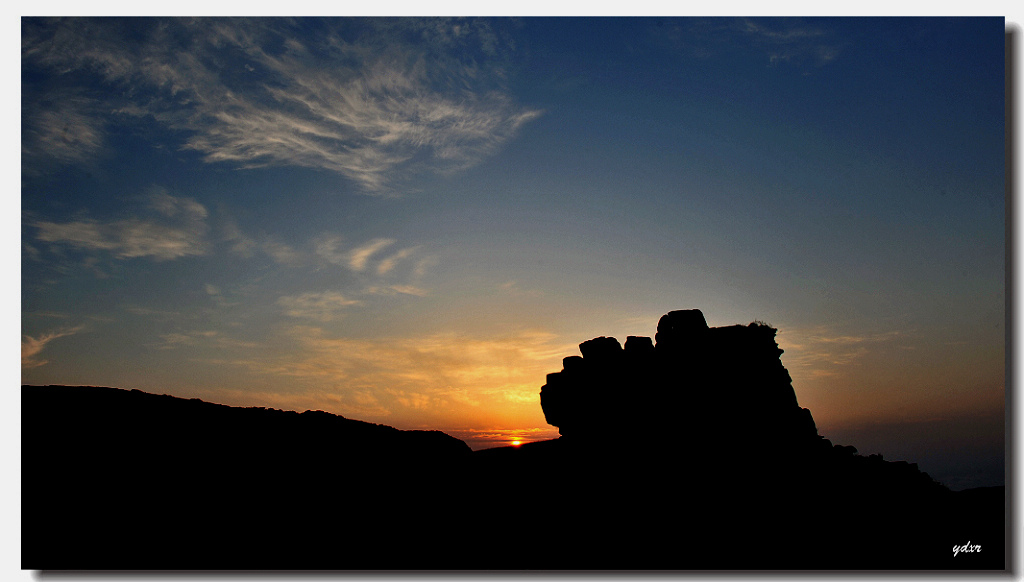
516 443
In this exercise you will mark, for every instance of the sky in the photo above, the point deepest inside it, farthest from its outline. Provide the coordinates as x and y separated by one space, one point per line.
412 221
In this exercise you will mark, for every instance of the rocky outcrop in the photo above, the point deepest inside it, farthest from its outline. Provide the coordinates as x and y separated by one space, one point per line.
697 387
701 430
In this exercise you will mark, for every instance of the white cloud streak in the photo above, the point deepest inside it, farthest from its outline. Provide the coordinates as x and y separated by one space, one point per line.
322 307
66 128
205 339
180 232
396 290
281 253
32 346
328 247
794 42
803 44
358 257
331 248
240 244
387 264
819 352
374 100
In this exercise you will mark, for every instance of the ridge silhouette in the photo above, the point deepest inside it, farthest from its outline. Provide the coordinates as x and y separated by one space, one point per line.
689 452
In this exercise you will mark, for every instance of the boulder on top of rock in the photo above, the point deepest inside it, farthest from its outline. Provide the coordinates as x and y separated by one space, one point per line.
639 345
601 349
681 325
572 363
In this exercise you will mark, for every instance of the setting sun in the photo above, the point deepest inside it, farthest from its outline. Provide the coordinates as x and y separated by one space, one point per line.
516 443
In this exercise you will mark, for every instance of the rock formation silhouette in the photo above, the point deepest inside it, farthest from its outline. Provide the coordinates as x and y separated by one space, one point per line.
689 452
676 389
700 431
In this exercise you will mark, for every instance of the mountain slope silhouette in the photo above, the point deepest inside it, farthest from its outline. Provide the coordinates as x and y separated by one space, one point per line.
713 465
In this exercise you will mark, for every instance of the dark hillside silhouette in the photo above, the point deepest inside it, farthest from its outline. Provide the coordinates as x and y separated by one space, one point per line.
125 479
687 452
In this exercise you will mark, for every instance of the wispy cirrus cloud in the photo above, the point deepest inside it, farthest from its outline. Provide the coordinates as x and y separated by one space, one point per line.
325 306
245 246
396 289
359 256
203 338
797 42
373 100
362 259
388 264
821 352
804 44
512 289
178 230
280 252
329 247
32 346
239 243
68 128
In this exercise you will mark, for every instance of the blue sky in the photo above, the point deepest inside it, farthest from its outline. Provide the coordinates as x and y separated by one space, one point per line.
411 221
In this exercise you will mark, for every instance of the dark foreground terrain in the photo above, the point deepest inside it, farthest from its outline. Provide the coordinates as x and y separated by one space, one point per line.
727 472
115 479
